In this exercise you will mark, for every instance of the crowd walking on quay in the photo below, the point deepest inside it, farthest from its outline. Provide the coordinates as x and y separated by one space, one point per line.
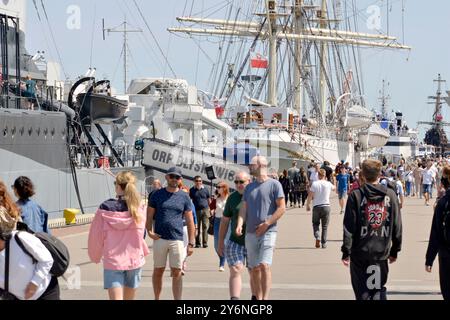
242 217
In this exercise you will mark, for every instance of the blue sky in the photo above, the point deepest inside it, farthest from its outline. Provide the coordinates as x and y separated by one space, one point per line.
410 74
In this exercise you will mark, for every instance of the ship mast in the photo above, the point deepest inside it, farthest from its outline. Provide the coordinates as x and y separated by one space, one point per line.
438 104
323 60
437 116
436 135
384 100
272 18
298 57
273 33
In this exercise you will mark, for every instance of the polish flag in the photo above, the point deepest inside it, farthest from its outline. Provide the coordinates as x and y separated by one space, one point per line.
259 62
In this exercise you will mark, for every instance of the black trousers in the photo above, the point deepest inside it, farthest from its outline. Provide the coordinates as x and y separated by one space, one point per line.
444 275
52 292
369 278
303 196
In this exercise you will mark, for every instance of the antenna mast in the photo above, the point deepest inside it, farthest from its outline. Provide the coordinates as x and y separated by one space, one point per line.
122 28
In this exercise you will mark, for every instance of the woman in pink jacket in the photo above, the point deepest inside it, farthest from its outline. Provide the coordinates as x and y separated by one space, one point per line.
117 236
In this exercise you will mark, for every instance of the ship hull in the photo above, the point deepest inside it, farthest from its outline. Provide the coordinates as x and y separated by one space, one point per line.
281 148
33 144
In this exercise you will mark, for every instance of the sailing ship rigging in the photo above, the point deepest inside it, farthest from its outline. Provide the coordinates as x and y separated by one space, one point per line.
309 75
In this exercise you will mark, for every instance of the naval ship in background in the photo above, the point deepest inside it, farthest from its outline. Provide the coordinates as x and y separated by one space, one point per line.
44 144
80 134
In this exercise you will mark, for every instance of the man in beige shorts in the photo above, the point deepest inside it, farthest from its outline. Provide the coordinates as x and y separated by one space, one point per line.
166 210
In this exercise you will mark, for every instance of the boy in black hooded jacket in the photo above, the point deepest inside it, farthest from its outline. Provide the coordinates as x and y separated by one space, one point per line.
372 234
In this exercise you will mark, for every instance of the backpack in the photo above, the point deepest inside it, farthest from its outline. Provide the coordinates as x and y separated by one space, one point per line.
58 250
391 185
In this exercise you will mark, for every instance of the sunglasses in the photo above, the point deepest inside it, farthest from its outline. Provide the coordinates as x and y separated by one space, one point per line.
219 187
173 176
239 181
198 180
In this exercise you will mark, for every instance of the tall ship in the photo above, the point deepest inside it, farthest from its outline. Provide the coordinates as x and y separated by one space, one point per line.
288 78
435 135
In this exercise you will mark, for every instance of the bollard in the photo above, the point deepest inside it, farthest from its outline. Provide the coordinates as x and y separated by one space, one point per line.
70 215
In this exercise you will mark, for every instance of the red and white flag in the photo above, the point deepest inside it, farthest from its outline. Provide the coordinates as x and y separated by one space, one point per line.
259 62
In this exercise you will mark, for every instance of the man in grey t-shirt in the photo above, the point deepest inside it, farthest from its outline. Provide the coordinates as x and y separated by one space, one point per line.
262 205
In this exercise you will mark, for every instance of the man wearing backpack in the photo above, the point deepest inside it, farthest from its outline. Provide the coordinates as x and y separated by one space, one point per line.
440 237
372 234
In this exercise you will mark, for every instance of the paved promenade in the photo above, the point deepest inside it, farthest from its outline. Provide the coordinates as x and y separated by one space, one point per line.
300 271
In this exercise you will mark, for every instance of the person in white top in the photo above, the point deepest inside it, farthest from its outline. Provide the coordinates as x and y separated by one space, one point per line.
26 280
223 192
314 173
428 178
435 183
319 193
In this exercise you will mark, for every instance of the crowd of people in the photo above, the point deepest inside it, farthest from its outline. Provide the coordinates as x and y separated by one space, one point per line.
243 223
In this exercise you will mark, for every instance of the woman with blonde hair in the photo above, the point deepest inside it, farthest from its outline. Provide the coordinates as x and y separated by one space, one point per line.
117 236
223 192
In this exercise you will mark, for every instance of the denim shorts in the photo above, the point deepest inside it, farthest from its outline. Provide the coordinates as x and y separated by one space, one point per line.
122 278
342 194
260 249
427 188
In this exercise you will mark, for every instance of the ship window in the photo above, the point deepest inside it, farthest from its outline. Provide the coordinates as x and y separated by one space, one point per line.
52 132
5 131
38 131
13 132
30 131
22 130
45 132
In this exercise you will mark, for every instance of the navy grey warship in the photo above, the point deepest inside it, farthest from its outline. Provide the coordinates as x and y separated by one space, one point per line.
79 134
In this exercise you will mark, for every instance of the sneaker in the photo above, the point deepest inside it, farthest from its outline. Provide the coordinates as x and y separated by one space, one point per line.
221 269
253 298
205 246
317 243
324 245
342 211
197 246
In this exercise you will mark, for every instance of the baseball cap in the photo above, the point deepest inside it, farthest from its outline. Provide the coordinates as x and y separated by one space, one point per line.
175 171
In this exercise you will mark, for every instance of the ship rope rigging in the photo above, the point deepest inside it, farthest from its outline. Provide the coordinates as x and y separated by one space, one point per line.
52 34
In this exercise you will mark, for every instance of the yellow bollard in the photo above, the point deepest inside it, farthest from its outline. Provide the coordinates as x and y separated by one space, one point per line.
70 215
